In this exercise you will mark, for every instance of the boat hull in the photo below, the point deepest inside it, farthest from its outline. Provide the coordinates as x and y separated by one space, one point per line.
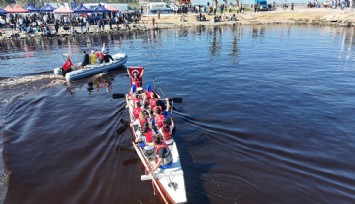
169 181
119 60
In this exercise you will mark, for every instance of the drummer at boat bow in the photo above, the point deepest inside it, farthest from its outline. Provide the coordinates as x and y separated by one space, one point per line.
163 154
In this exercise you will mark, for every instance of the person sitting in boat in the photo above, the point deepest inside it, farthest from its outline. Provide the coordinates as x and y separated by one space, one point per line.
136 80
133 97
140 120
105 51
167 130
159 114
85 60
150 101
92 57
100 57
147 134
163 156
145 140
136 110
148 91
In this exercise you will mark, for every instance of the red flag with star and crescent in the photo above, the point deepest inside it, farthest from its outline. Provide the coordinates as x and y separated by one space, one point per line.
67 65
135 70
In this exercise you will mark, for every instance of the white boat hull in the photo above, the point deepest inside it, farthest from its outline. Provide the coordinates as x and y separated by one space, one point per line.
171 180
119 60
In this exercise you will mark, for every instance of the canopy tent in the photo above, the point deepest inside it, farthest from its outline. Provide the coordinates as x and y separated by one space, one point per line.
29 7
2 11
100 9
62 11
15 9
111 8
82 9
47 8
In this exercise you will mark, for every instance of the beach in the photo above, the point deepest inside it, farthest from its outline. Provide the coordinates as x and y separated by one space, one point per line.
315 16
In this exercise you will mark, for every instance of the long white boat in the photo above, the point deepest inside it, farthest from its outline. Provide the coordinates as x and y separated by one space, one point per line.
119 60
169 182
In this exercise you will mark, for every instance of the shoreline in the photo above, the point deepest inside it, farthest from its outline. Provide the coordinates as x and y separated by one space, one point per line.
311 16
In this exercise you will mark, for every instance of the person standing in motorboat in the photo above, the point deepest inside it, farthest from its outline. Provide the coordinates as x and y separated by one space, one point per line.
86 60
105 51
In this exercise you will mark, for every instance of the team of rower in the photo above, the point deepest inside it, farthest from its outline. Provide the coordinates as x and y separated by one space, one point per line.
150 115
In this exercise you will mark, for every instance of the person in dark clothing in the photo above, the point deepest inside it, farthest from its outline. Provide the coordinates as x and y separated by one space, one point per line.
86 60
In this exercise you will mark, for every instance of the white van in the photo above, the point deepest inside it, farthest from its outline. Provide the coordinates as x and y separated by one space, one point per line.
154 7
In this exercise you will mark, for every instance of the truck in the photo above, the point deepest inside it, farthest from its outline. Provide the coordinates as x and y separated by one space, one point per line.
261 5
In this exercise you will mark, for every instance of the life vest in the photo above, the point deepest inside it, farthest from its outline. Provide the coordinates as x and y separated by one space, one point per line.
135 99
137 82
158 119
148 136
152 102
168 158
147 93
136 112
100 56
142 121
166 135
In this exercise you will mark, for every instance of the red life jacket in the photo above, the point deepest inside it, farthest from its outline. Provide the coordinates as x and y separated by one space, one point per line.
100 55
168 158
137 82
166 135
152 102
142 121
147 94
136 112
148 136
159 120
135 99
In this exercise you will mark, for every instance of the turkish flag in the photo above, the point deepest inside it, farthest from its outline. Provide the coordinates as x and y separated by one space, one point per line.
66 66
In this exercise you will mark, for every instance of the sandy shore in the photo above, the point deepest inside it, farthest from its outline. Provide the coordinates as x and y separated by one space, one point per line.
317 16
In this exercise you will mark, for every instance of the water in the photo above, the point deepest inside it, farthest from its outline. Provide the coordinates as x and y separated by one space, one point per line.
267 116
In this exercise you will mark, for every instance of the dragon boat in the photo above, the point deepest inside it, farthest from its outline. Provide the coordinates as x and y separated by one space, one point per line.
169 182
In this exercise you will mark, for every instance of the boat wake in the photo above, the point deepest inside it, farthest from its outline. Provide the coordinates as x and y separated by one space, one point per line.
13 88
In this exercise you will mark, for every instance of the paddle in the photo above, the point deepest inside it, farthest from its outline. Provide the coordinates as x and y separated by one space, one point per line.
118 95
176 100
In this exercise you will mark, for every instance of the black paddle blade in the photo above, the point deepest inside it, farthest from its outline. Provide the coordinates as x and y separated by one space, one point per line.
118 95
176 100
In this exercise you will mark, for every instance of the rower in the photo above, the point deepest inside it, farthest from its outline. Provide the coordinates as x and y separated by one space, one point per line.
159 114
166 131
163 156
147 139
136 110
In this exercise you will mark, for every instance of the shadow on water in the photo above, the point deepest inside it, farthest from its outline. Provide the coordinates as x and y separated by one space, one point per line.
193 171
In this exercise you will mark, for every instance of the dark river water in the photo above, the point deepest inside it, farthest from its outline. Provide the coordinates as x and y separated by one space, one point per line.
268 116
